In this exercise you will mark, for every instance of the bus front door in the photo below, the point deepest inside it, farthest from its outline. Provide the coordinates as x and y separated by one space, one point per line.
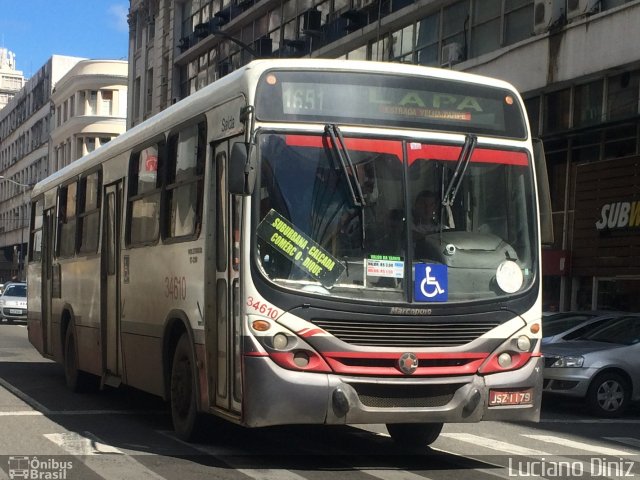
110 315
223 330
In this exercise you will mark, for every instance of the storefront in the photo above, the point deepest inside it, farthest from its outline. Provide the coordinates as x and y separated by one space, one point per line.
605 254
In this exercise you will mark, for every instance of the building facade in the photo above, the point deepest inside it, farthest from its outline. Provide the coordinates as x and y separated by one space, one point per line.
11 80
27 124
575 62
90 108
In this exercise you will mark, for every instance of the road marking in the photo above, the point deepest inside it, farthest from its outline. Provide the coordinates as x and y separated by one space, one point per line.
78 445
22 413
579 445
103 459
634 442
386 474
591 420
493 444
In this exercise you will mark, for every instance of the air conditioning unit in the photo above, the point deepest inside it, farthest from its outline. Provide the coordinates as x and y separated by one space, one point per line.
451 53
580 8
546 13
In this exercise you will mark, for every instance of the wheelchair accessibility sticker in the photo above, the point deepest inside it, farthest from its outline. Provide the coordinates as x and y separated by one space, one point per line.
431 284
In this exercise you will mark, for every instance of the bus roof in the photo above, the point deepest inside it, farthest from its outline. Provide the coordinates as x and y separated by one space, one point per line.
214 93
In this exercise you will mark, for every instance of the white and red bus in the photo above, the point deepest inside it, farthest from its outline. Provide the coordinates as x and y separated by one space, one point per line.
260 251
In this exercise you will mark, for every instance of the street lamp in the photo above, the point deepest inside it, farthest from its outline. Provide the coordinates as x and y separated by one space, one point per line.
20 253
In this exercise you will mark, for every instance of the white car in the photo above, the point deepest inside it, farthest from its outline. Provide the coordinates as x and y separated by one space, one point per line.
13 302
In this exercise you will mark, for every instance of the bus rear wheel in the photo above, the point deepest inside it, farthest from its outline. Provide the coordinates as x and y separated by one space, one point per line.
76 380
184 411
414 435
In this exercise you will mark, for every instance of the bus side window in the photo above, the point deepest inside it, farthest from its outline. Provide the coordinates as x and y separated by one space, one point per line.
89 214
143 203
185 174
66 245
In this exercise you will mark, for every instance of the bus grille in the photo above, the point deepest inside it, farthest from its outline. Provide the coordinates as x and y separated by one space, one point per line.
399 334
407 396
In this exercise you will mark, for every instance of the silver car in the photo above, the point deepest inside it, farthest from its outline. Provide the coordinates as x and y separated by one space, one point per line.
574 325
13 302
602 366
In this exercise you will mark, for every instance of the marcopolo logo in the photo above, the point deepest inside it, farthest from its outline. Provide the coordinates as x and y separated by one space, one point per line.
619 215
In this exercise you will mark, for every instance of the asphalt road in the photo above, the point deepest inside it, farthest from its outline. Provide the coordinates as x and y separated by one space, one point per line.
49 432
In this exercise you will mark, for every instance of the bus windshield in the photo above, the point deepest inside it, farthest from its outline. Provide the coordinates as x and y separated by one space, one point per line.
316 235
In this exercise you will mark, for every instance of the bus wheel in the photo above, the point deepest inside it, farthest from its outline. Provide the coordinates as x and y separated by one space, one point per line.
184 411
76 380
414 435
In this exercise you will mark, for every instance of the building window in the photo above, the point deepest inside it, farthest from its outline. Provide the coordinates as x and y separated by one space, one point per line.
517 20
622 95
107 102
402 45
587 104
454 24
92 106
485 31
557 111
427 40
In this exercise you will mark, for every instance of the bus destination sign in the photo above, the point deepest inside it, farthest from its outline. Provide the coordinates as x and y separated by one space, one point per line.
389 100
305 254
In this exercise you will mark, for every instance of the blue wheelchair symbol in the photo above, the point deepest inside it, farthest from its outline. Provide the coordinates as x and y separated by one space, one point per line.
431 283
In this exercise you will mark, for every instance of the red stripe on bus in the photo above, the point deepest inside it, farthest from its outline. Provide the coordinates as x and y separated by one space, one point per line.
415 150
357 144
472 361
480 155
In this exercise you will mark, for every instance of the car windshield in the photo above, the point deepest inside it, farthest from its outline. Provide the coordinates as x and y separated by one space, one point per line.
15 291
363 217
623 331
554 326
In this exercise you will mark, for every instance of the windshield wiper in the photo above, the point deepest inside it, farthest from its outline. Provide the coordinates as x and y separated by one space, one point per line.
337 141
357 197
461 167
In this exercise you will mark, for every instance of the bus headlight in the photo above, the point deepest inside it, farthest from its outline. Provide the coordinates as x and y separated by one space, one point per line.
523 343
280 341
504 360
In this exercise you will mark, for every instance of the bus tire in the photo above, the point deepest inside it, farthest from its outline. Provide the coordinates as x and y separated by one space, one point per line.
414 435
187 423
77 381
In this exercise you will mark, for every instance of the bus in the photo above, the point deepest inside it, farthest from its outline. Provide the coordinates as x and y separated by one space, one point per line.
253 252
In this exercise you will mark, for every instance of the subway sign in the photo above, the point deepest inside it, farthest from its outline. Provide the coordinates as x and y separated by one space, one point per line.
619 215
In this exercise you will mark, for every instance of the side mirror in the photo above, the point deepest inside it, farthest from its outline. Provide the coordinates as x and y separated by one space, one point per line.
242 169
544 195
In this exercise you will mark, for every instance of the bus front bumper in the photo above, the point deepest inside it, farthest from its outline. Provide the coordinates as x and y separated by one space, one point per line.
274 396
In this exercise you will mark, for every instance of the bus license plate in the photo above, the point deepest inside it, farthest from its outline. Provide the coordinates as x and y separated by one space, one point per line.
15 312
510 397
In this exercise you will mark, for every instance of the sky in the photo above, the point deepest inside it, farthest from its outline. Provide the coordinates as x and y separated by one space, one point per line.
37 29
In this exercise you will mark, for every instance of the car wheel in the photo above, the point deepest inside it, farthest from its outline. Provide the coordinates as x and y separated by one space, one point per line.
187 423
608 395
414 435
